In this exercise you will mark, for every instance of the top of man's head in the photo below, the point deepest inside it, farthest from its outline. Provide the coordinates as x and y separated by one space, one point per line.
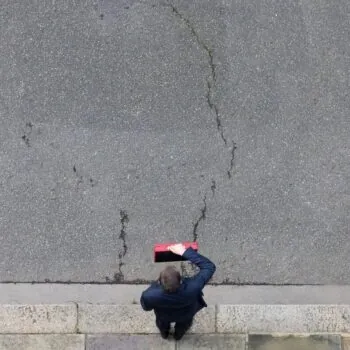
170 279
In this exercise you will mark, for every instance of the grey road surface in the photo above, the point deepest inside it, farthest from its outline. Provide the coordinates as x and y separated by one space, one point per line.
125 123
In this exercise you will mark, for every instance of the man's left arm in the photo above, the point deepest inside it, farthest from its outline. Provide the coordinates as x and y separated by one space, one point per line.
146 298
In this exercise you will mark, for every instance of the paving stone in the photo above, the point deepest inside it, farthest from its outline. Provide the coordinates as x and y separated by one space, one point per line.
346 343
290 342
128 342
267 319
42 342
132 319
38 318
212 341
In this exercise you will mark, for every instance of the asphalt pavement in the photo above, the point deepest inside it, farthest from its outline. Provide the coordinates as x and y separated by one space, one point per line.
128 123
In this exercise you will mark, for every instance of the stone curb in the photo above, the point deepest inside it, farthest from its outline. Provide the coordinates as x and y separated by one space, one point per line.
42 342
155 342
38 318
131 319
128 294
283 319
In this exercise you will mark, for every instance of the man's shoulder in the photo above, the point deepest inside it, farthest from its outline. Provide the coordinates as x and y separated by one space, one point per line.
191 285
153 293
154 286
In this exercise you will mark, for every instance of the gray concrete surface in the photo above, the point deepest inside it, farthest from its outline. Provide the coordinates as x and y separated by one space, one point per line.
212 341
283 318
118 121
132 342
346 343
131 319
39 318
316 342
42 342
154 342
94 318
130 294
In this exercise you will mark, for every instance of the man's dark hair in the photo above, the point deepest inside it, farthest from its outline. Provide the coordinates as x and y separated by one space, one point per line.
170 279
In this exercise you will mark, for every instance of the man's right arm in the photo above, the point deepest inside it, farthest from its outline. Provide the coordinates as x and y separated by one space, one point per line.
206 267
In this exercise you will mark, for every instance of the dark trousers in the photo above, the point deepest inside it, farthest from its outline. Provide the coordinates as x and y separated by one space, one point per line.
180 327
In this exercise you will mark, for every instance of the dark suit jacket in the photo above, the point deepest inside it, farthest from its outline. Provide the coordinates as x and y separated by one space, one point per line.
183 304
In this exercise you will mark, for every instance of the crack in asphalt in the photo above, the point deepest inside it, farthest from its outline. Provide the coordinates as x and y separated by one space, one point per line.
211 81
212 78
213 187
201 218
187 268
119 276
80 177
233 149
27 132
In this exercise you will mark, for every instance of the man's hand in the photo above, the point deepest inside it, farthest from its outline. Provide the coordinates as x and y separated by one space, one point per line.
178 249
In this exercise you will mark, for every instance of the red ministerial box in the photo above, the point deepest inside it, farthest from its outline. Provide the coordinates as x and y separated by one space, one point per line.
162 254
